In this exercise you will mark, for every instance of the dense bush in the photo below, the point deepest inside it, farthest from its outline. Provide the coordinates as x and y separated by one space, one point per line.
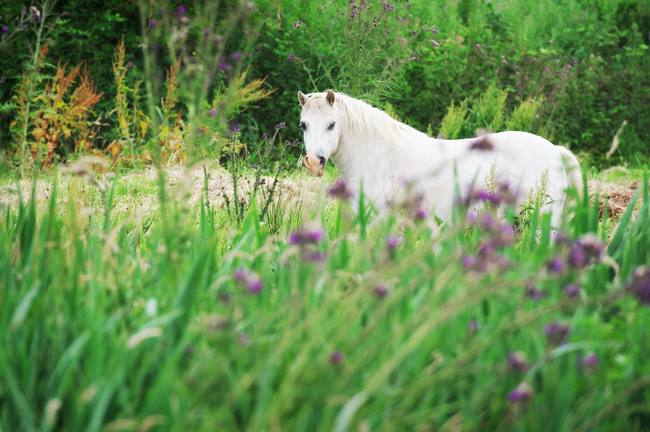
586 62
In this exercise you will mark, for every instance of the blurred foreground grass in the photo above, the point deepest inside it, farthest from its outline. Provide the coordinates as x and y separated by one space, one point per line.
184 320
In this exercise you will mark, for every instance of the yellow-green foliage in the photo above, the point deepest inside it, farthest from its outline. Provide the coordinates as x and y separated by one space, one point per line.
237 98
523 116
491 107
239 95
121 102
539 192
490 183
452 124
391 112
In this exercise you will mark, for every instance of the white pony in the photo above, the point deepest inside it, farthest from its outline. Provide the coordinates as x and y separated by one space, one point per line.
367 145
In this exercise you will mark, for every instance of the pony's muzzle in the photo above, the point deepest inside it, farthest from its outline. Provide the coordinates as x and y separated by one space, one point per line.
315 165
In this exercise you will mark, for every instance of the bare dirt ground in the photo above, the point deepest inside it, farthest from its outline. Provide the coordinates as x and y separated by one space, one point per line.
137 193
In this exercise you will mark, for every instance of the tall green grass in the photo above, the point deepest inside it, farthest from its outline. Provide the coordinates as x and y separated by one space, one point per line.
112 327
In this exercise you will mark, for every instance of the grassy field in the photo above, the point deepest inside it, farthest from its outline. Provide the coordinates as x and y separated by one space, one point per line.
164 266
163 313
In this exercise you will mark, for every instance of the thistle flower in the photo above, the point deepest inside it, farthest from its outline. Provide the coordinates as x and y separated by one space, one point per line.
392 241
337 357
314 257
556 333
521 394
482 144
249 279
181 10
517 362
310 233
571 290
533 292
468 261
380 291
588 363
555 265
340 190
152 23
639 286
585 249
421 214
473 326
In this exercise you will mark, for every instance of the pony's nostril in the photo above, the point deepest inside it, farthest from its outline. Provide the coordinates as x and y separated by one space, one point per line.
322 160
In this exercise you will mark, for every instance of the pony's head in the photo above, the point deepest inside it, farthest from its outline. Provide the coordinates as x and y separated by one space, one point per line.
322 134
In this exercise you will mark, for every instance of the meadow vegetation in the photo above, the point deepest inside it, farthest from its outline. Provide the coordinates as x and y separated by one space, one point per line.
166 266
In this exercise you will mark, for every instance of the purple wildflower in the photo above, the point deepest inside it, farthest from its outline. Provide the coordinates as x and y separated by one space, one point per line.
585 249
482 144
468 261
472 326
254 284
152 23
290 58
340 190
181 10
571 290
337 357
588 363
421 214
517 362
488 222
380 291
206 31
249 279
213 112
280 126
639 286
235 55
533 292
240 274
556 333
314 257
392 241
310 233
521 394
483 195
555 265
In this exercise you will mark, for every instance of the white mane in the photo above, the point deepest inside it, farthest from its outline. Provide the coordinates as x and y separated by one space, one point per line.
359 116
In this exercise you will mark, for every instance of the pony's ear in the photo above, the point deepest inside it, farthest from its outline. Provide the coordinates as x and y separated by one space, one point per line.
302 98
330 97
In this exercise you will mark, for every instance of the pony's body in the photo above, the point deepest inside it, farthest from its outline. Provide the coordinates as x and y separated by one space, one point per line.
384 155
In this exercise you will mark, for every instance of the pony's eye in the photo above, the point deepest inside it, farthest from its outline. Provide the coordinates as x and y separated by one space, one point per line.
302 126
331 126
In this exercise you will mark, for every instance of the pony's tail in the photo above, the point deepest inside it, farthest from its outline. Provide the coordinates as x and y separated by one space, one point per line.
573 175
